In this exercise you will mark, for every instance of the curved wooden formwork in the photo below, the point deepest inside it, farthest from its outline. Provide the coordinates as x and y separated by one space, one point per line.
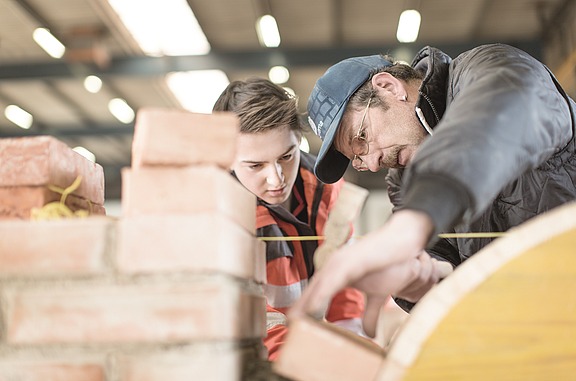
508 313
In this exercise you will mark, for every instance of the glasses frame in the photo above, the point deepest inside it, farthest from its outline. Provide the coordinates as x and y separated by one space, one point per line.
359 141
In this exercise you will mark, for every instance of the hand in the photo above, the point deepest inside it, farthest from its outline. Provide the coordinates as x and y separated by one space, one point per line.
412 278
430 272
366 264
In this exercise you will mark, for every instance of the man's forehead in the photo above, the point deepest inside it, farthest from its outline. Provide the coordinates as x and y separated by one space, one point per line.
344 135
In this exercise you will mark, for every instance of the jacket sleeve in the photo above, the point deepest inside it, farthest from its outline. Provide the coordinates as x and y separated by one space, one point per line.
346 304
504 116
276 330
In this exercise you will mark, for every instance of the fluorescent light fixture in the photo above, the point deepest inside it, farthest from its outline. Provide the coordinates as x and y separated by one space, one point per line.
18 116
267 31
279 74
92 84
408 26
48 42
304 145
84 152
166 27
197 90
121 111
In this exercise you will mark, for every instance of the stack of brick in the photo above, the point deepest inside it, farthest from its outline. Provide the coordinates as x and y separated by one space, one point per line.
183 213
32 167
171 290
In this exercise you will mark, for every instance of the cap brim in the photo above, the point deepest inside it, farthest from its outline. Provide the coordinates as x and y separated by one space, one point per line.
331 164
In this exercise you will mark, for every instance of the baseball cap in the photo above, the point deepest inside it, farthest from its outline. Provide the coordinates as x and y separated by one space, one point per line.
326 106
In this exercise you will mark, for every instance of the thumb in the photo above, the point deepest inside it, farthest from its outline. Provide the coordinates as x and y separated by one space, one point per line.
374 304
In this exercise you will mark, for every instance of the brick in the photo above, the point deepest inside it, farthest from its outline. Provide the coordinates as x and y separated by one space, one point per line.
202 243
187 190
210 308
31 370
17 202
58 247
175 137
211 361
317 351
44 160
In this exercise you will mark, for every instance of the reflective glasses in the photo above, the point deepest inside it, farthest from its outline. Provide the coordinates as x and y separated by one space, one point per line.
360 145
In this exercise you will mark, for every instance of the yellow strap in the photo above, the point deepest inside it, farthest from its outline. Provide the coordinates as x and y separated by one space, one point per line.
441 235
57 209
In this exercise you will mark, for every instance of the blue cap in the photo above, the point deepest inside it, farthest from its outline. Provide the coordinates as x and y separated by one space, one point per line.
326 106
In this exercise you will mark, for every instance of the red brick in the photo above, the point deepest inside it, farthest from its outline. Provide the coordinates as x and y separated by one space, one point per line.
44 160
316 351
210 308
59 247
31 370
17 202
187 190
210 361
175 137
202 242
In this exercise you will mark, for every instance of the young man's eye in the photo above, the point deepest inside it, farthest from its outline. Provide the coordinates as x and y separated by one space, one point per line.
255 166
286 157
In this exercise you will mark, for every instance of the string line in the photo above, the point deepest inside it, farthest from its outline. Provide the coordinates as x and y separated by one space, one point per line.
441 235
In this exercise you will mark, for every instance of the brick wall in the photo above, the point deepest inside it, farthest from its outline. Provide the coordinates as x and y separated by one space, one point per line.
171 290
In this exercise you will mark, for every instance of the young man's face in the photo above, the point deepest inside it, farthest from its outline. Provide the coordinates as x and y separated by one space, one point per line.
392 135
267 163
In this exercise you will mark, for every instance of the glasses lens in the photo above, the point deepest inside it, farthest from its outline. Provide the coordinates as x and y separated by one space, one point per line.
359 146
358 164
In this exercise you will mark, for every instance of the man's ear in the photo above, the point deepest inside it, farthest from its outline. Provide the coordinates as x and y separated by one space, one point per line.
389 86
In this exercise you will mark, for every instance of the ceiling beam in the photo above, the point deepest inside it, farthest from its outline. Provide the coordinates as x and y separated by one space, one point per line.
231 60
92 130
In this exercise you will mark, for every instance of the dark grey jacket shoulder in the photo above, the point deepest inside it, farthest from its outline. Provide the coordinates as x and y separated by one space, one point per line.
502 149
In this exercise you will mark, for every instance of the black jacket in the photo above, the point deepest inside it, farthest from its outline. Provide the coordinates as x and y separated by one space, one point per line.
502 149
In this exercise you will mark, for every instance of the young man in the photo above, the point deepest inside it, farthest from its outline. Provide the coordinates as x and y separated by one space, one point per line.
480 143
291 201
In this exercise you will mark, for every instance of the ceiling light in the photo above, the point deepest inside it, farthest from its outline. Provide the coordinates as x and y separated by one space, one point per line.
279 74
197 90
92 84
121 111
18 116
267 31
408 26
84 152
166 27
48 42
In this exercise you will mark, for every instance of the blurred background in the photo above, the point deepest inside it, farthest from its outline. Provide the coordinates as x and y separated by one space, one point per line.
79 70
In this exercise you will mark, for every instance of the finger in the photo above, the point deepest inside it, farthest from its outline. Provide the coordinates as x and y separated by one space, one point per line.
374 304
426 267
340 271
443 269
316 298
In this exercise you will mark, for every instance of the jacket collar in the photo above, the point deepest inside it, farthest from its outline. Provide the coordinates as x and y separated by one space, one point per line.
433 90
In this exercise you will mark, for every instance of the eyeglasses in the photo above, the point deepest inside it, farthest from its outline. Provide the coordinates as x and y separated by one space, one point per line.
360 145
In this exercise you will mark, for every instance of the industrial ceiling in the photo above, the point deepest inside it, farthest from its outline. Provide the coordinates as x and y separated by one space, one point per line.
315 34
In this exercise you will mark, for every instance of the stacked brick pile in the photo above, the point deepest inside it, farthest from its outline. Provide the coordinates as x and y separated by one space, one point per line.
171 290
29 166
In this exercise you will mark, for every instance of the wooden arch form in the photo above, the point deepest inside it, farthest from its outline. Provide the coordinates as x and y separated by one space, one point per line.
508 313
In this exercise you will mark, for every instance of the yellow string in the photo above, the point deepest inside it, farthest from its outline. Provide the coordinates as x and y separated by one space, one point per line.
441 235
58 209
